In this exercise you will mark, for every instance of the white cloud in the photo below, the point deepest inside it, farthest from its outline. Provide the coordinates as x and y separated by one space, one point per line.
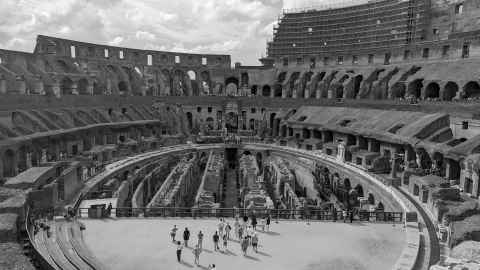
117 41
236 27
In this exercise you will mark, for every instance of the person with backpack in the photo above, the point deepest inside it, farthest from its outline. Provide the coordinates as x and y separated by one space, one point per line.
186 236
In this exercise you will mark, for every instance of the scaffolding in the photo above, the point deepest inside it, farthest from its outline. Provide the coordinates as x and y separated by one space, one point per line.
374 24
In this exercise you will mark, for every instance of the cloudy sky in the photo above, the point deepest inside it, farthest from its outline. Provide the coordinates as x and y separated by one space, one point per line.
236 27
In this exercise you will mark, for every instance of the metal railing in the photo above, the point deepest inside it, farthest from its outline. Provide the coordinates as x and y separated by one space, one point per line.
284 214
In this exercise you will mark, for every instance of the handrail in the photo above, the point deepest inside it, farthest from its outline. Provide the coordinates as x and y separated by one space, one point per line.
36 255
286 214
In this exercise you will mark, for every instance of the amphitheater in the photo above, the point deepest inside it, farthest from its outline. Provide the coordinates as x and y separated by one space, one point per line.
358 136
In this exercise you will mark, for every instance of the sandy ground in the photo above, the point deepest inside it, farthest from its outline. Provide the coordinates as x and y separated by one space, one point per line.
145 244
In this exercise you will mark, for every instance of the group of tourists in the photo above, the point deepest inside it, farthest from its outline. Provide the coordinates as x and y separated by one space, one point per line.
245 232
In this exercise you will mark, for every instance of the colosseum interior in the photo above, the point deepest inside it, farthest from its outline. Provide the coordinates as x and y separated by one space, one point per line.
370 108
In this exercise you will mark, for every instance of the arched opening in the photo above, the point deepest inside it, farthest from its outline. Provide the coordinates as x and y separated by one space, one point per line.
398 90
252 124
450 91
210 123
472 90
192 75
9 163
254 90
346 184
359 190
291 85
272 119
282 76
339 92
83 87
266 91
122 88
66 86
306 133
231 86
357 82
277 90
380 207
206 83
244 79
190 120
371 199
231 122
415 88
432 90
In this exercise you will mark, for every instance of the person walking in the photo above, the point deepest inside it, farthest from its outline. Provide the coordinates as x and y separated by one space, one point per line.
212 267
225 242
221 225
254 222
344 213
351 216
173 232
228 228
186 236
244 245
255 242
216 238
200 240
268 223
179 251
196 252
240 233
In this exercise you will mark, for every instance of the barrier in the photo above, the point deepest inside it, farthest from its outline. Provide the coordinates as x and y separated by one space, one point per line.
284 214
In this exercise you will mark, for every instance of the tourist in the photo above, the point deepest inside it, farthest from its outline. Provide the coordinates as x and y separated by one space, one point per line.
255 242
268 223
351 216
228 228
225 242
216 238
254 222
200 240
344 214
109 210
196 252
244 246
220 227
236 226
186 236
240 233
173 232
334 214
179 251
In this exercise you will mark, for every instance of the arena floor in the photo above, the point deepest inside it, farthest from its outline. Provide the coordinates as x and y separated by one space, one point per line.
145 244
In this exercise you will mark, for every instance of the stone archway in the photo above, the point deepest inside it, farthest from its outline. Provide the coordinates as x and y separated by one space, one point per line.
266 91
472 90
415 88
82 87
450 91
66 86
432 90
